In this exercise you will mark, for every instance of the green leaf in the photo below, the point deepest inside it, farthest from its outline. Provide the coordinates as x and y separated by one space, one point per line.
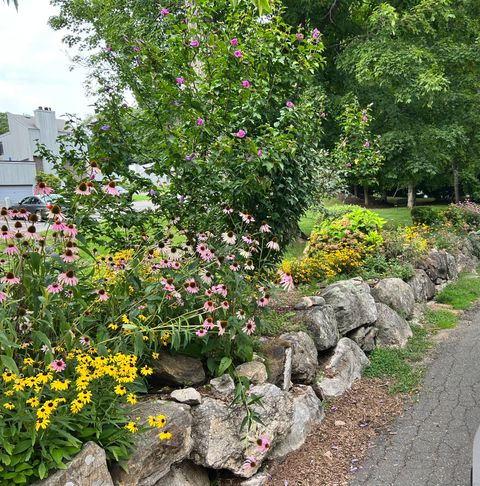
9 363
42 470
225 363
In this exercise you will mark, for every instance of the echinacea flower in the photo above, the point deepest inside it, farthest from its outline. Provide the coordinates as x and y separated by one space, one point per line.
201 332
238 54
247 218
208 323
286 280
234 42
3 296
260 152
299 36
111 189
42 189
54 288
241 315
194 43
71 230
227 210
265 227
58 225
246 83
229 237
102 295
84 189
249 265
366 144
11 249
241 133
68 278
191 286
250 462
85 341
273 244
58 365
10 279
250 327
225 305
209 306
222 326
206 277
263 444
69 256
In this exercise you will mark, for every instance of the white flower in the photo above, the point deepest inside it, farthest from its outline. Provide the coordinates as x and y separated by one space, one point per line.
229 237
273 244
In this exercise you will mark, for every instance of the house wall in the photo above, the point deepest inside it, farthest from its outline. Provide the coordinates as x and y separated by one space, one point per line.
16 142
17 180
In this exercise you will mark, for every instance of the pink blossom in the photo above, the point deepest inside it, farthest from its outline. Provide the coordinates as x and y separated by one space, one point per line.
69 256
250 462
222 326
71 229
250 327
234 42
263 444
238 54
273 244
260 152
208 323
84 189
164 12
241 133
316 34
246 83
299 36
58 225
54 288
111 189
58 365
200 121
209 293
6 234
3 296
247 218
194 42
191 286
289 104
366 144
102 295
10 279
85 341
201 332
11 249
220 289
180 81
68 278
42 189
286 280
263 301
225 305
209 306
265 227
227 210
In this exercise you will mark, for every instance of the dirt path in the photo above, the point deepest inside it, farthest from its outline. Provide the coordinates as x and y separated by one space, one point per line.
431 444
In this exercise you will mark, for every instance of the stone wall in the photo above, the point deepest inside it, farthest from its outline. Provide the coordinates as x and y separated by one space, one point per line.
292 376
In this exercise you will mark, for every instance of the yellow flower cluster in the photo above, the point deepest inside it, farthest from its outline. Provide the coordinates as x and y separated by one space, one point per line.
416 238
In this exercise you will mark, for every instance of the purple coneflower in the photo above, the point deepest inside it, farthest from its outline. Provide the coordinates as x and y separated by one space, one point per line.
42 189
10 279
54 288
58 365
111 188
249 327
68 278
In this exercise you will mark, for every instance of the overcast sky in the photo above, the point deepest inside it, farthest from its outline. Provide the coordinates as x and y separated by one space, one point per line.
34 64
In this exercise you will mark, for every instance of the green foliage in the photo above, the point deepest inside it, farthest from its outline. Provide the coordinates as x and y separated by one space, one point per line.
426 215
461 294
3 123
441 318
275 323
51 180
463 216
377 266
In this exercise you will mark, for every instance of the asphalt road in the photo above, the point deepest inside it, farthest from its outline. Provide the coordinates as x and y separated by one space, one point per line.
431 444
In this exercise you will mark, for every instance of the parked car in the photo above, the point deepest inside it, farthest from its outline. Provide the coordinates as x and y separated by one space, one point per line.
38 205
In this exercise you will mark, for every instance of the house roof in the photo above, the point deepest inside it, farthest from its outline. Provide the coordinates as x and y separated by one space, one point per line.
29 121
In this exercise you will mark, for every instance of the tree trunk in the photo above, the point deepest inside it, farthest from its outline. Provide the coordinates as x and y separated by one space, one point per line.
383 197
355 190
456 183
411 196
365 196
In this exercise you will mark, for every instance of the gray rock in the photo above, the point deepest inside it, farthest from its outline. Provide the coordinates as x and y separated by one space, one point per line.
322 324
219 442
423 288
189 396
255 371
393 330
474 239
87 468
278 360
397 294
440 266
343 369
352 303
305 303
304 356
365 337
466 259
260 479
317 300
223 384
152 458
177 370
452 269
185 474
307 413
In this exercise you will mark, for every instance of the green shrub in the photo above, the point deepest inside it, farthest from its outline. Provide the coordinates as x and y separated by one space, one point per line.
427 215
377 266
464 216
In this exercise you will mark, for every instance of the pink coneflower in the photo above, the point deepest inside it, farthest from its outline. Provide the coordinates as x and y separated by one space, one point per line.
69 256
10 279
220 289
235 267
247 239
209 306
164 12
316 33
111 188
58 225
249 327
290 104
208 323
206 278
200 121
83 189
194 43
68 278
250 462
241 133
230 257
58 365
273 244
3 296
94 168
102 295
263 301
286 280
227 210
191 286
247 218
238 53
209 293
263 444
42 189
225 305
202 237
11 249
22 213
85 341
168 284
229 237
246 83
54 288
265 227
5 233
55 212
201 332
234 42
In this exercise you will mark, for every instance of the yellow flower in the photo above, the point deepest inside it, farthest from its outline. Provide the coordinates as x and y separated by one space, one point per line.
19 385
9 405
34 402
131 398
76 406
59 385
113 326
125 319
142 317
9 393
159 421
28 362
145 338
155 355
165 435
84 397
42 423
8 376
146 370
131 427
43 378
120 390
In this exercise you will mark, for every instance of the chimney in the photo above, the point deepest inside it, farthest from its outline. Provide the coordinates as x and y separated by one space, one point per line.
46 123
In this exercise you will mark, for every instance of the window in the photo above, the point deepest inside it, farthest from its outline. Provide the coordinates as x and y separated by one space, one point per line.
1 148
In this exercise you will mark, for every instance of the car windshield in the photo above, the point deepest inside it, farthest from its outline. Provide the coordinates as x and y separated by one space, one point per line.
50 198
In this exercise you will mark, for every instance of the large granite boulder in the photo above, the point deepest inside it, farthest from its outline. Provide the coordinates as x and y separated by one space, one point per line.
365 337
423 288
474 239
87 468
352 303
322 325
440 266
255 371
223 385
342 370
395 293
177 370
152 458
185 474
219 442
392 329
466 259
304 356
307 413
277 354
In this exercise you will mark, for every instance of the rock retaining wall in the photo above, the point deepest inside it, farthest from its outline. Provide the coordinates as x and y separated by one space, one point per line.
292 376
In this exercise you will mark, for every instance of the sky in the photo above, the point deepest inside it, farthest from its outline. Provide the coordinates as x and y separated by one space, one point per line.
34 64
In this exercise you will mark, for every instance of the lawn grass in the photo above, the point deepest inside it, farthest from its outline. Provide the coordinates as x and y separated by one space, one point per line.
461 294
441 318
395 217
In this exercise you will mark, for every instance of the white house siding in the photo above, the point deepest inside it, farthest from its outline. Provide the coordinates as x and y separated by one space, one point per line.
17 180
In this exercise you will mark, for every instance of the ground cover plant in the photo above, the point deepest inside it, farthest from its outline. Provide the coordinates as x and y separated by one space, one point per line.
462 293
